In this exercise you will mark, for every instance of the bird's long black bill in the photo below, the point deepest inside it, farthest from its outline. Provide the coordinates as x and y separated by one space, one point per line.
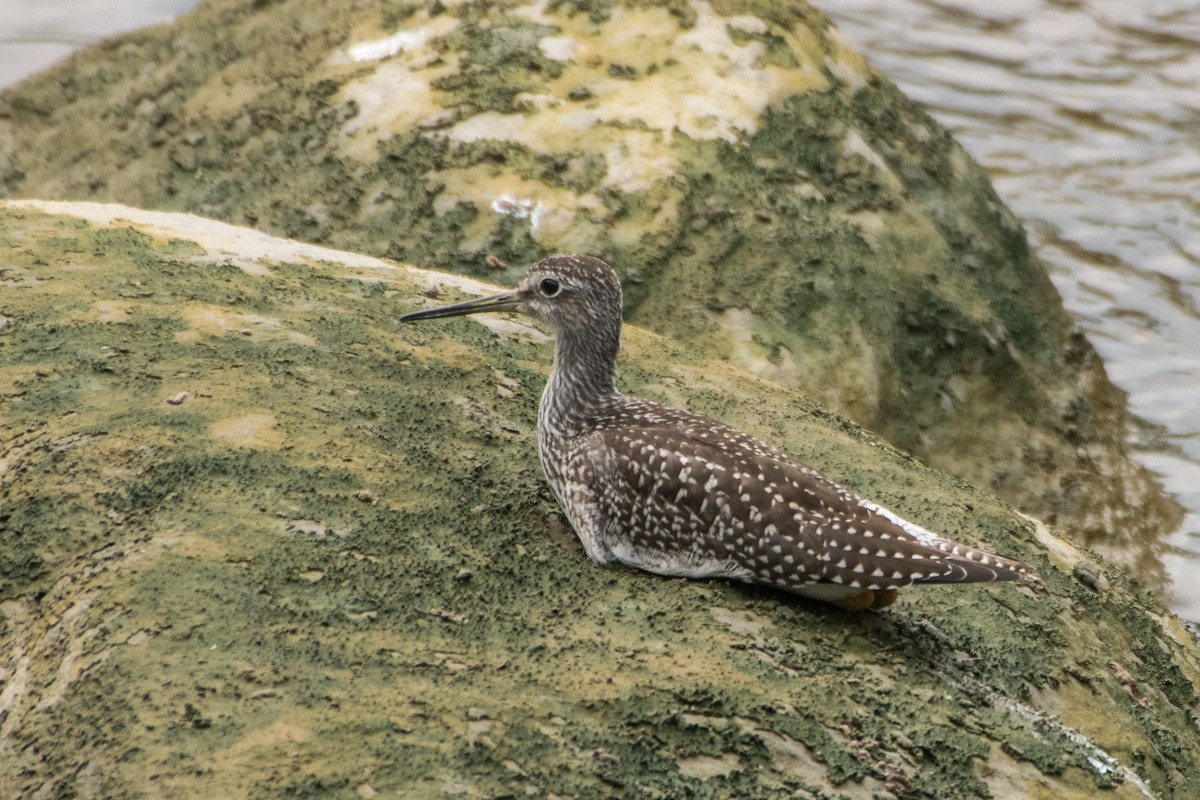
507 301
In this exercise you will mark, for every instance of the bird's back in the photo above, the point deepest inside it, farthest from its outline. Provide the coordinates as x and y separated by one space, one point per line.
677 493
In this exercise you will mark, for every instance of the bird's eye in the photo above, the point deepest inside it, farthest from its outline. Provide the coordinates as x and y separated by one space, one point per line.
549 287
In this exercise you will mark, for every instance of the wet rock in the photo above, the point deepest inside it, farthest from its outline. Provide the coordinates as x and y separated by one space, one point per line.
543 672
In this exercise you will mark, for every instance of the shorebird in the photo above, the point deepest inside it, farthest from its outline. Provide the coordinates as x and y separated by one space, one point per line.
676 493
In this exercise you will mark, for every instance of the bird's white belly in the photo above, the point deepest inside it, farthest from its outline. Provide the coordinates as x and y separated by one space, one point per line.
826 592
681 564
686 565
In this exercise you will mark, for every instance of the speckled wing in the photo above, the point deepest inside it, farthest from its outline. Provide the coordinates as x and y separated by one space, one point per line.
680 494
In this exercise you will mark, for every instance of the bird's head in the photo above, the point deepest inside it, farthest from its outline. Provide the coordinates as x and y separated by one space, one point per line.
573 294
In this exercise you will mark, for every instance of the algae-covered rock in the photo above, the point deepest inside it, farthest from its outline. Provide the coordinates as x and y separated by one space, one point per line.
258 539
765 194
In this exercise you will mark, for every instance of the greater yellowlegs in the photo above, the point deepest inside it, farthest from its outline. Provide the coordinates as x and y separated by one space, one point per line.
676 493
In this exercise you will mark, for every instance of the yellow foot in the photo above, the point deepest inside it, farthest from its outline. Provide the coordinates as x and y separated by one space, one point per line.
884 598
858 602
871 599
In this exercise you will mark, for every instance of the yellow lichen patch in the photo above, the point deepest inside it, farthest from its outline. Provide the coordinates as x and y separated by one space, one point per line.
742 622
705 767
699 80
712 80
256 431
223 95
107 312
111 311
398 95
739 324
205 320
1075 710
395 101
14 376
792 758
280 737
551 211
190 545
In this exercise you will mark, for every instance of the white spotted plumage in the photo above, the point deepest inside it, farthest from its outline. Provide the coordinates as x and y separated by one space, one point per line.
676 493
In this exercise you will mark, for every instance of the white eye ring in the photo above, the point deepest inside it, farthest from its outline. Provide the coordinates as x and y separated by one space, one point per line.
549 287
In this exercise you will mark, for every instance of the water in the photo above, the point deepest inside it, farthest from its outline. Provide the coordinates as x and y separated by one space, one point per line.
1085 113
33 35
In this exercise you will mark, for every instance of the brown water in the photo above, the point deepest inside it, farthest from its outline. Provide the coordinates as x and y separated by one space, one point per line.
1087 116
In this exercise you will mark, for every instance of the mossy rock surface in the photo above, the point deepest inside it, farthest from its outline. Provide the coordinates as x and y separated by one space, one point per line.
258 539
765 194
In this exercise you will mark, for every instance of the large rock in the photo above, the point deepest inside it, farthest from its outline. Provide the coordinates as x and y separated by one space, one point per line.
260 540
765 194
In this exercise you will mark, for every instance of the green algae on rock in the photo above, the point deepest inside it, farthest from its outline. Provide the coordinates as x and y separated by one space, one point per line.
766 195
260 540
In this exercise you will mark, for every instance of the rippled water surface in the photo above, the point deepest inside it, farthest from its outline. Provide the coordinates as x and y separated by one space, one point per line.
1087 116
